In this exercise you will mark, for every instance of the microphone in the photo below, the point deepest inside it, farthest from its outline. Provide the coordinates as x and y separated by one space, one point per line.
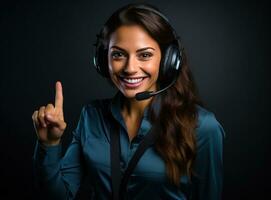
147 94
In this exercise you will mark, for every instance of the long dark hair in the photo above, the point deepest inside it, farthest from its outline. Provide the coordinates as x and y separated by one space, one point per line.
178 116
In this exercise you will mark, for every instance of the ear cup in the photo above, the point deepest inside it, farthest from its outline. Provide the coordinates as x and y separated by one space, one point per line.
170 64
101 60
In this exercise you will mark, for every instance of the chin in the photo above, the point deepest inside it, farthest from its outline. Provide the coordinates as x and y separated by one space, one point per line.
130 94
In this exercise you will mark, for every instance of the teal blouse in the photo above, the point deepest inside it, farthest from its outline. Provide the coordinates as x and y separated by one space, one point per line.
60 177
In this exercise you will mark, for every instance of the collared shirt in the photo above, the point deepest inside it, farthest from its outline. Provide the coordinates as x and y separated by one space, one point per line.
89 155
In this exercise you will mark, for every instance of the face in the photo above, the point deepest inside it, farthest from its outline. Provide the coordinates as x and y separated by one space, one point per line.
133 59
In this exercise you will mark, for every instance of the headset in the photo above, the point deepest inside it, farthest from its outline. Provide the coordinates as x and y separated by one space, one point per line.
170 64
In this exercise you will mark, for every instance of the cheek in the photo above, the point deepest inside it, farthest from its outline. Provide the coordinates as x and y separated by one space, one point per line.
114 66
114 69
153 68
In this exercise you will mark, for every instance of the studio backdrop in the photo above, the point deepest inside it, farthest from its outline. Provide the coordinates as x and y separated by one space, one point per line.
228 48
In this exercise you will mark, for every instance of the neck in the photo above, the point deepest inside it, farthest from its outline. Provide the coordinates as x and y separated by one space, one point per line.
133 108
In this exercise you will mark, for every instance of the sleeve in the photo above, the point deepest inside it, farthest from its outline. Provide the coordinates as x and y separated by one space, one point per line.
59 177
208 183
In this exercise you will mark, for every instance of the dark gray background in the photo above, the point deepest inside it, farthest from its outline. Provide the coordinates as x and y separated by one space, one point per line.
228 50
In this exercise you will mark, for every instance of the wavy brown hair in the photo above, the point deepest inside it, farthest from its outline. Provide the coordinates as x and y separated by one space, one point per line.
177 118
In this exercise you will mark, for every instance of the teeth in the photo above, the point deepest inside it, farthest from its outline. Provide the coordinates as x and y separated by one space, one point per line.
133 80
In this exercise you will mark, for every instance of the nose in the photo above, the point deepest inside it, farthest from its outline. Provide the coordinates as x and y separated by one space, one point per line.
131 66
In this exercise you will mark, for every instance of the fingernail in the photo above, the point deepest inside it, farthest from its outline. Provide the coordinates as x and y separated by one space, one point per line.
49 116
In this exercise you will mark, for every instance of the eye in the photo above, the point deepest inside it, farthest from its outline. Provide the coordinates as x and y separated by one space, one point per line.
117 54
145 55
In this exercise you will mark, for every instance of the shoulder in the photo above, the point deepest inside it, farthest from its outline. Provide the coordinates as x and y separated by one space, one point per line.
93 112
94 106
91 119
208 165
209 130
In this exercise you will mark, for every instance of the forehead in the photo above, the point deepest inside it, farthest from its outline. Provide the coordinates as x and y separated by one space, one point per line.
131 36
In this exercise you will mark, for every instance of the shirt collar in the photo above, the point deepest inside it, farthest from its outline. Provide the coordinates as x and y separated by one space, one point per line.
115 108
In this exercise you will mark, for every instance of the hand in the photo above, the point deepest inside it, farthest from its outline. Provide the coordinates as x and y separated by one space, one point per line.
49 121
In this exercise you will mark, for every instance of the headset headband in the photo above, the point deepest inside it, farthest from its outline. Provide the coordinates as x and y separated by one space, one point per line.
177 38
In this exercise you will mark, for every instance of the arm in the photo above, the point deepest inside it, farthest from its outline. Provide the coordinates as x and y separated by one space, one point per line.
208 183
56 177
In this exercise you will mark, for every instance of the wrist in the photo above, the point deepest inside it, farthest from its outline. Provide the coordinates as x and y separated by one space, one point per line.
50 143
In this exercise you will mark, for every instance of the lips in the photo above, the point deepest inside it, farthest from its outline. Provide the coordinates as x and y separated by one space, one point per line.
132 82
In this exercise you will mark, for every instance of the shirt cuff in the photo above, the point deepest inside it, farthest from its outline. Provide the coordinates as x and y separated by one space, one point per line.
46 155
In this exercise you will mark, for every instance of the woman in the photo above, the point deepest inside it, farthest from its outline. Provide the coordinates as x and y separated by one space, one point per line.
185 162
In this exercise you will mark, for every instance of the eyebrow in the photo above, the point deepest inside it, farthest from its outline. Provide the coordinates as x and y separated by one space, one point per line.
142 49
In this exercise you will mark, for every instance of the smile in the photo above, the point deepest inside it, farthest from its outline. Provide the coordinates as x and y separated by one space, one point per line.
132 82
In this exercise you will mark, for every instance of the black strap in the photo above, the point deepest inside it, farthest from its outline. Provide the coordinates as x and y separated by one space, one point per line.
147 141
119 182
115 160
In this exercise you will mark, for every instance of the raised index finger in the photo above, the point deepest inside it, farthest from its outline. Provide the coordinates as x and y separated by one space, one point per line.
59 96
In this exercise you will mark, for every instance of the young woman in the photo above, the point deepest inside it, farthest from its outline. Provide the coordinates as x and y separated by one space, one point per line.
137 50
